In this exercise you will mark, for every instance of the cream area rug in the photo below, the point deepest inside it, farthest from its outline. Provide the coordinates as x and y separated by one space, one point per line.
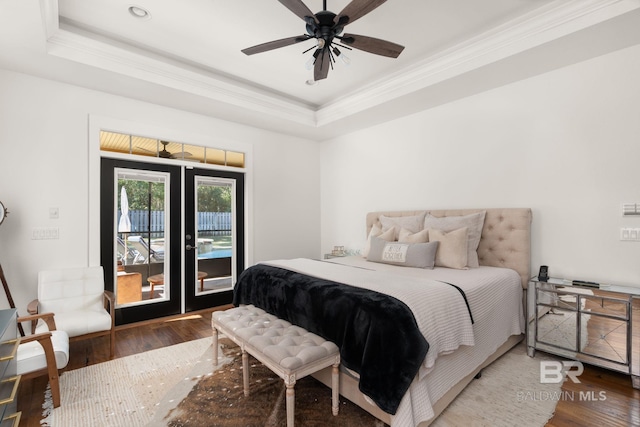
182 386
508 393
128 391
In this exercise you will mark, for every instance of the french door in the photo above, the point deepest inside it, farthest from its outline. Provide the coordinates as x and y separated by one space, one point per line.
162 256
214 236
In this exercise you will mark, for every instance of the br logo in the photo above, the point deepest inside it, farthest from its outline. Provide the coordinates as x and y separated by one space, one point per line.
554 372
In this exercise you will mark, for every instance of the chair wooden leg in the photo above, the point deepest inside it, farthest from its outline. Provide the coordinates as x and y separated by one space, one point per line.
54 385
112 349
52 370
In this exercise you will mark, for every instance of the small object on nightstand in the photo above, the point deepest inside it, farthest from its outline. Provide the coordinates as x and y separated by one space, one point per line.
585 283
543 274
338 251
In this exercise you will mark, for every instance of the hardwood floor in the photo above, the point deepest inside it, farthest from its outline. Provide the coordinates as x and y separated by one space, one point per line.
604 397
621 407
607 399
130 339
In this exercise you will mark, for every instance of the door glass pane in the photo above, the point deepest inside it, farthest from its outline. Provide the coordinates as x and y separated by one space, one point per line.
214 234
141 220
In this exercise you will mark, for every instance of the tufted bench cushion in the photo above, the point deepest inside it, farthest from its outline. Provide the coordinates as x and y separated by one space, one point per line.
288 350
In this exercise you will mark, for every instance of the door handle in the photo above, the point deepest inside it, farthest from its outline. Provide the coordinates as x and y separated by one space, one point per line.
189 247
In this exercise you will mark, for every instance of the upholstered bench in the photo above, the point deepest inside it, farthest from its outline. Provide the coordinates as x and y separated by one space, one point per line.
290 351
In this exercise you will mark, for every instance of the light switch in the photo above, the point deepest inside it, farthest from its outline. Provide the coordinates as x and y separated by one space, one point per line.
630 209
54 213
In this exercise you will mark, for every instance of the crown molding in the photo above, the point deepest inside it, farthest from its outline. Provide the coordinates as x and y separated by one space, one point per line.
557 19
534 29
75 45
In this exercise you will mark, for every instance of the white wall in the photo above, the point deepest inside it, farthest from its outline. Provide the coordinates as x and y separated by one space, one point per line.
565 143
44 153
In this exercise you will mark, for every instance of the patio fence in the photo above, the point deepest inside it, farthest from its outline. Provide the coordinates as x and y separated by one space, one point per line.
209 223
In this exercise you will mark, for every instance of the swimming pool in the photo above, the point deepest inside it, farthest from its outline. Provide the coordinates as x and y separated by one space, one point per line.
218 253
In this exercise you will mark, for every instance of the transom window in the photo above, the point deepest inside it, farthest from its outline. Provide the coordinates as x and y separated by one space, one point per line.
144 146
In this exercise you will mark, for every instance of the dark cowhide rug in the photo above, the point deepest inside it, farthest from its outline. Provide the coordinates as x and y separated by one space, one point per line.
219 400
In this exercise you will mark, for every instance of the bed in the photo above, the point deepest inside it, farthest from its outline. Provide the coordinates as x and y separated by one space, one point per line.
469 318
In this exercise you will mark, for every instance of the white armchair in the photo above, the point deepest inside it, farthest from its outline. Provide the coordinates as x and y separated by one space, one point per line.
43 354
82 307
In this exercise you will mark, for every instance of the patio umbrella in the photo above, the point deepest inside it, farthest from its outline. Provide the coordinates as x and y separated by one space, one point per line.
124 226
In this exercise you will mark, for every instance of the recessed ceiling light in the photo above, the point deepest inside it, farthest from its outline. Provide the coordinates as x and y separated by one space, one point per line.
138 12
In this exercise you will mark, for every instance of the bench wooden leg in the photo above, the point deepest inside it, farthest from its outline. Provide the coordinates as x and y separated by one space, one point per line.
335 389
215 345
245 371
291 404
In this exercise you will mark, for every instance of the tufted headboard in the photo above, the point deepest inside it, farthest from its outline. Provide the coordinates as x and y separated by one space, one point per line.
505 240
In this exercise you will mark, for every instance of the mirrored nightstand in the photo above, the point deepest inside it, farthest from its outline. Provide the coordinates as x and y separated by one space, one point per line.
599 325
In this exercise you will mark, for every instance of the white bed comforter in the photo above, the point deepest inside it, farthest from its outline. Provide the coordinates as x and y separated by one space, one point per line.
495 299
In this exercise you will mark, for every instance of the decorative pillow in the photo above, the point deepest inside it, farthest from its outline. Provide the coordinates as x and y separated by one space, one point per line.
407 236
376 231
421 255
474 222
452 252
413 223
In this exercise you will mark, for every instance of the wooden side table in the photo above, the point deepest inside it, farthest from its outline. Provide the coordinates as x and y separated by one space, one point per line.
158 279
129 287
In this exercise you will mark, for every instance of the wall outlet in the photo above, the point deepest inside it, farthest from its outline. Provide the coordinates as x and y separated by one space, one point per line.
45 233
630 234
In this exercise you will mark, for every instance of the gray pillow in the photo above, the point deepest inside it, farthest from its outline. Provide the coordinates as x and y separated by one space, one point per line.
412 223
474 222
421 255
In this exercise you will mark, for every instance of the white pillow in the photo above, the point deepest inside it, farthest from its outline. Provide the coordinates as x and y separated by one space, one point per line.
452 250
413 223
473 222
376 231
407 236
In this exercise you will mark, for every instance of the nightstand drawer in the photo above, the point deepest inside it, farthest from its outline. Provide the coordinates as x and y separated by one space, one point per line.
557 298
606 306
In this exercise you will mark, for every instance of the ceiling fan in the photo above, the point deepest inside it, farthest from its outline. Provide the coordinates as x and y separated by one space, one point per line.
165 154
327 27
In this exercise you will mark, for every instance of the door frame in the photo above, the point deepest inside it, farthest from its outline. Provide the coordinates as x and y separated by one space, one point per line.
140 125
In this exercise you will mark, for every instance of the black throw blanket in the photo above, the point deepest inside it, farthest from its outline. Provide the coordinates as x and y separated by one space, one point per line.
377 334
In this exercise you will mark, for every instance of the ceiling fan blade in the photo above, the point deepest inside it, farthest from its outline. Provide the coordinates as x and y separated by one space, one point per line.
275 44
372 45
181 155
147 150
299 8
356 10
321 69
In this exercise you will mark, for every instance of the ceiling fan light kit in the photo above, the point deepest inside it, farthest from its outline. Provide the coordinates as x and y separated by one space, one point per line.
326 27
